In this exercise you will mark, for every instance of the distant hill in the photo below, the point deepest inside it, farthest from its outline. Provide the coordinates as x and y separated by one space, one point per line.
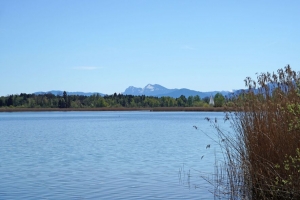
60 93
187 92
159 91
149 90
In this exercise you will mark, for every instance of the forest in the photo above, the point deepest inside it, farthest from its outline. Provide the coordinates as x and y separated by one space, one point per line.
115 100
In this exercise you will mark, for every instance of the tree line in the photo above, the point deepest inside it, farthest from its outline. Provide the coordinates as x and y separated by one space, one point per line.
115 100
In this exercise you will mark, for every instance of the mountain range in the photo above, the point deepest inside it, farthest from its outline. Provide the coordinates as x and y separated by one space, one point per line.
159 91
148 90
60 93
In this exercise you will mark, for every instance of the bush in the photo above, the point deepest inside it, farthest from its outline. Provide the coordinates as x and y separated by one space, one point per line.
262 158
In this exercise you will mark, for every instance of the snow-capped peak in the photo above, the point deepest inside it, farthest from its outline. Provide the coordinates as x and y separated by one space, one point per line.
149 87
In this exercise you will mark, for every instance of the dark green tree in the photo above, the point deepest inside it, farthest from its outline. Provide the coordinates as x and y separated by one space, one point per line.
62 103
206 100
183 98
196 98
190 101
10 100
67 100
219 100
181 101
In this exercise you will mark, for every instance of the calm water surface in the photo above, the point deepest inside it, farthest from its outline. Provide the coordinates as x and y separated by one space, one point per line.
105 155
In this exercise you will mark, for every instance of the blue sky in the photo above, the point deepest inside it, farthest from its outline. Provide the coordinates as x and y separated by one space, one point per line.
106 46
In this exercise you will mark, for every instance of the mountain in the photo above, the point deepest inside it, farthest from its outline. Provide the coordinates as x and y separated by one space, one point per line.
60 93
187 92
148 90
159 91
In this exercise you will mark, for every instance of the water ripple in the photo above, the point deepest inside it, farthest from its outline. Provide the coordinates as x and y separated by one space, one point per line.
102 155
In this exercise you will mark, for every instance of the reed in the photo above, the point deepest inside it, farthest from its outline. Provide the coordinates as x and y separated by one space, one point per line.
262 156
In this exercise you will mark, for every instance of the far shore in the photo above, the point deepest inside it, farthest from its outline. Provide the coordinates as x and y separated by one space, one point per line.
156 109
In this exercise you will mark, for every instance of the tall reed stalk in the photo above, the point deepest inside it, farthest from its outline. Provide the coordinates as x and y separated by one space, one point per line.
262 157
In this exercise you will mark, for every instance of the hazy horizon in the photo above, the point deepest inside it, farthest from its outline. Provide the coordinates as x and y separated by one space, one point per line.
132 86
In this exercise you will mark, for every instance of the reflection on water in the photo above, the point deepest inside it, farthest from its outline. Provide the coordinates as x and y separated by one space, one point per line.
105 155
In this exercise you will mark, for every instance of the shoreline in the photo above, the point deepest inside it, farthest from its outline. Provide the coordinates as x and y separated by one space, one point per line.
156 109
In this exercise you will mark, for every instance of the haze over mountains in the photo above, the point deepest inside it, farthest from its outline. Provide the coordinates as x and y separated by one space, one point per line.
149 90
60 93
159 91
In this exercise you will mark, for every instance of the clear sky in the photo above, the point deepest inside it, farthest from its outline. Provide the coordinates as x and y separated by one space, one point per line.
106 46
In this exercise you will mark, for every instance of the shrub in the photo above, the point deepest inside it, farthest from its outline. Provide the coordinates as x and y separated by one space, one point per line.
262 158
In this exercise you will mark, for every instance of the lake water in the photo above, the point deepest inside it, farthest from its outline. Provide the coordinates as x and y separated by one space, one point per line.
106 155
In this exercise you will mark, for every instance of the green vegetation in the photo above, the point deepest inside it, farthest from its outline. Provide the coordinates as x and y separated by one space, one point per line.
262 157
96 101
219 100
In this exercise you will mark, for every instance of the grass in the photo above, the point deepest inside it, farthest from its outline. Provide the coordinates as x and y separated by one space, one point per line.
262 157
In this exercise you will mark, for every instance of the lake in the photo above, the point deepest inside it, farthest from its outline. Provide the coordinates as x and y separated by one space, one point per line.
106 155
